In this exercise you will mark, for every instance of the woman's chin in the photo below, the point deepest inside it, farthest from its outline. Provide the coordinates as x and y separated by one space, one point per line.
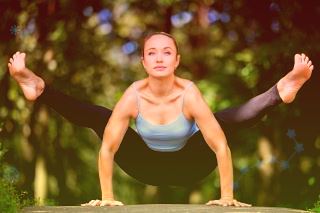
161 74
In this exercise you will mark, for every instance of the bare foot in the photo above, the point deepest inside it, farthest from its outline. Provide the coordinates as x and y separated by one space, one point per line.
32 86
289 85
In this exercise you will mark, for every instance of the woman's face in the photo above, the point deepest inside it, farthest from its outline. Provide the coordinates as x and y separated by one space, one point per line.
160 58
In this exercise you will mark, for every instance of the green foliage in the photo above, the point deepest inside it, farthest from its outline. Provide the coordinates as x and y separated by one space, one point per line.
316 207
11 200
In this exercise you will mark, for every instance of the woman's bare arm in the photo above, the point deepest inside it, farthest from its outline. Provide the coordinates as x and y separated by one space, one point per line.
216 140
112 138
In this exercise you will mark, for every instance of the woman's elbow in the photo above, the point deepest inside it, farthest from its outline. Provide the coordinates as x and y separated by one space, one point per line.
222 148
107 150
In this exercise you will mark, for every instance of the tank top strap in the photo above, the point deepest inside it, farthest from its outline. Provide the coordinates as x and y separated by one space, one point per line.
137 95
184 92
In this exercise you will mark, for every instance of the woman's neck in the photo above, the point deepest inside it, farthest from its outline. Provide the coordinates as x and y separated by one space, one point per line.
161 87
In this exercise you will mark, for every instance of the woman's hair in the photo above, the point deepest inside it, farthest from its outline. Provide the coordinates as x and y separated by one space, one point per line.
158 33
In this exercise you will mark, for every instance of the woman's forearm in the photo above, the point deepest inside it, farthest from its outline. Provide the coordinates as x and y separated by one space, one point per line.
105 173
225 171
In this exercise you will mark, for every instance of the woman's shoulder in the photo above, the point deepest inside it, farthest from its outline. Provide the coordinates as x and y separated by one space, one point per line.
129 99
136 86
188 85
184 83
191 90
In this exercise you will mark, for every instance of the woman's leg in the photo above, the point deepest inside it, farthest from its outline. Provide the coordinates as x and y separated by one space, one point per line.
75 111
249 113
284 91
192 163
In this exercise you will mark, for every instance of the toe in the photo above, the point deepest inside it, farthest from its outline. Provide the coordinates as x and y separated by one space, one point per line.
303 56
297 58
311 68
309 63
306 59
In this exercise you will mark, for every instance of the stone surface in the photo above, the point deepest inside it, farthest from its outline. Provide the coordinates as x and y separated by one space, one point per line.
157 208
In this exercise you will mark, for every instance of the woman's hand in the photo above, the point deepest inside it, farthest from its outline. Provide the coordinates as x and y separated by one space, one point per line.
109 202
227 202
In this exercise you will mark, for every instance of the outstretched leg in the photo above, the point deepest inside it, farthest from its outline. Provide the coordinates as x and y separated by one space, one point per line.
284 91
249 113
35 89
75 111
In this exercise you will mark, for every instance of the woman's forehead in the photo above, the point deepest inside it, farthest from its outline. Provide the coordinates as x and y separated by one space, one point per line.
159 41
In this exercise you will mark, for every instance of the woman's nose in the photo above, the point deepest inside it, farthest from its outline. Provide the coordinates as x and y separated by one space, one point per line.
159 57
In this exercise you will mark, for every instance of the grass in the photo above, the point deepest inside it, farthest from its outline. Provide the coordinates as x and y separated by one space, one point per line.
316 207
10 200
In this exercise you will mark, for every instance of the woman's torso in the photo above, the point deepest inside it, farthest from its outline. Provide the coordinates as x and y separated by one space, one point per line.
163 123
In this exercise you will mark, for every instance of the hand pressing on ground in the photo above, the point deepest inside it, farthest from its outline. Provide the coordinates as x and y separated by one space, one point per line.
109 202
227 202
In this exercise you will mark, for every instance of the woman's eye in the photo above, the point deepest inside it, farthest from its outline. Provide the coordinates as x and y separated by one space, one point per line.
167 53
151 53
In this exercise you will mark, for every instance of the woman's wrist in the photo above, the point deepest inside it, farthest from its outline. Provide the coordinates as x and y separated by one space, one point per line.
227 197
107 198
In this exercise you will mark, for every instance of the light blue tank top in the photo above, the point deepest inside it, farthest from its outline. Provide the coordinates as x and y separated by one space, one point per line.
166 137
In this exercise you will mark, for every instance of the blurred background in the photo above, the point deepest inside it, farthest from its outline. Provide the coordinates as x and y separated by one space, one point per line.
232 49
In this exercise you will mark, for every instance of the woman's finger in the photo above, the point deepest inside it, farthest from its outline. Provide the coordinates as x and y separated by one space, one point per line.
91 201
237 204
217 202
119 203
97 203
244 204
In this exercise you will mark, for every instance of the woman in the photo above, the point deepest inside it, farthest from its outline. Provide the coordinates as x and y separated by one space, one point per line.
168 148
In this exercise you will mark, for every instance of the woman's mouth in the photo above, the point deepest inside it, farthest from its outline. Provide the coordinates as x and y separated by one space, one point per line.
159 68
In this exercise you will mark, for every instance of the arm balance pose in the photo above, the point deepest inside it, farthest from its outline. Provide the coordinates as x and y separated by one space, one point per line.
167 148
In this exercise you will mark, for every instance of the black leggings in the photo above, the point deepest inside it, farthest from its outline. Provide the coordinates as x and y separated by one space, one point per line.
180 168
